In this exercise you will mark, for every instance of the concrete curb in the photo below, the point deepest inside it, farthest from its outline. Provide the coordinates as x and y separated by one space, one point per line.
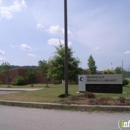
67 106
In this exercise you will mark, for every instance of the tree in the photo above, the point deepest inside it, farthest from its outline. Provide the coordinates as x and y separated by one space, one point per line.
57 68
5 66
91 65
43 68
118 70
31 75
108 71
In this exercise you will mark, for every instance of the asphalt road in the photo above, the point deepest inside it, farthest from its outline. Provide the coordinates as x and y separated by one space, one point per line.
16 118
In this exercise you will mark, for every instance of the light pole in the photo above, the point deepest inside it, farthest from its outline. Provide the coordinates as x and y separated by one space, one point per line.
66 47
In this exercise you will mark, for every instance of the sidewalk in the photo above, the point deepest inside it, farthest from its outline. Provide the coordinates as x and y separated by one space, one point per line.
20 89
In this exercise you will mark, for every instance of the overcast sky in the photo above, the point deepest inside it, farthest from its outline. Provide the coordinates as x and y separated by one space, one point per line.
29 29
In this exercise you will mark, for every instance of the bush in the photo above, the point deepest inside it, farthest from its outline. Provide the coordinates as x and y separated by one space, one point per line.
122 99
108 71
57 82
19 80
89 95
0 82
73 98
125 82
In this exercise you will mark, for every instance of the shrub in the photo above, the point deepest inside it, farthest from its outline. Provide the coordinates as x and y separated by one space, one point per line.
89 95
108 71
0 82
19 80
122 99
57 82
73 98
125 82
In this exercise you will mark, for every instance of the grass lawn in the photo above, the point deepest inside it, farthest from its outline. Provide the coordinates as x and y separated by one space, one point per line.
50 95
46 95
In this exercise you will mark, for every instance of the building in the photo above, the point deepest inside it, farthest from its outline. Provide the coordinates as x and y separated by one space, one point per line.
13 73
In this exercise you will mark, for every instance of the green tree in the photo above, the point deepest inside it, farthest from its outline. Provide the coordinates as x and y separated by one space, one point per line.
31 75
108 71
118 70
5 67
56 65
91 65
43 68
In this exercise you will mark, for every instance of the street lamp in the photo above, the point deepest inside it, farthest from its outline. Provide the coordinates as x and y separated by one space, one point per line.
66 47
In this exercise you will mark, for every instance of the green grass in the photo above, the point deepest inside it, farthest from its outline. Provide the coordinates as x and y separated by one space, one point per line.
46 95
50 95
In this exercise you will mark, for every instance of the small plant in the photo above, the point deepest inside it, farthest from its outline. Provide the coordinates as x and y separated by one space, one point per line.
73 98
122 99
89 95
125 82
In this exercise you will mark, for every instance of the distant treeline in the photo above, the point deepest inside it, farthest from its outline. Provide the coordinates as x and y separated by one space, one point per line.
24 67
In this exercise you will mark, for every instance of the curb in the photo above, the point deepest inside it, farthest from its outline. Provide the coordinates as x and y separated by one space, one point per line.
66 106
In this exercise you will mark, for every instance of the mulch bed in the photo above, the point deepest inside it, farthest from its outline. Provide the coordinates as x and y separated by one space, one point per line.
95 101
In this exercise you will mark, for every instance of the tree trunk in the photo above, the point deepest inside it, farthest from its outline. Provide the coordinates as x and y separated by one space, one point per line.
8 81
46 82
32 84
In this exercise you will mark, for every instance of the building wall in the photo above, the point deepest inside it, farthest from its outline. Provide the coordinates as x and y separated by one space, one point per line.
13 73
3 79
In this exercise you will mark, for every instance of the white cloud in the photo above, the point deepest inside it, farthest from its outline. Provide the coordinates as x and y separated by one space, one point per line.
39 26
5 14
2 52
25 47
32 55
127 52
6 11
2 59
0 1
13 46
57 30
96 48
56 42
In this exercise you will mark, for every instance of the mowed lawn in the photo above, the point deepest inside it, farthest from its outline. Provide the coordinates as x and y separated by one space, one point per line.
50 95
46 95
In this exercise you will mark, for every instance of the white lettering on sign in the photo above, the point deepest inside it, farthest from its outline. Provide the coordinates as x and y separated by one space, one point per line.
104 79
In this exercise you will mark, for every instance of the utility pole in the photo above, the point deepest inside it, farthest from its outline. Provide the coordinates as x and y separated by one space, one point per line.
122 71
111 66
66 47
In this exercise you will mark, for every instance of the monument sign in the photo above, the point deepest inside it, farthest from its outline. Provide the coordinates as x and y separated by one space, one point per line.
100 83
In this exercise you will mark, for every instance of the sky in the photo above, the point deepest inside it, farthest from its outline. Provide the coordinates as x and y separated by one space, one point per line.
29 30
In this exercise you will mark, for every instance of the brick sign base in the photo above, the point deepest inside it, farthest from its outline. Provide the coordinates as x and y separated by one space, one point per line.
104 88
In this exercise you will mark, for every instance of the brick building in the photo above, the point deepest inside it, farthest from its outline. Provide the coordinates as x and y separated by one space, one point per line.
13 73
